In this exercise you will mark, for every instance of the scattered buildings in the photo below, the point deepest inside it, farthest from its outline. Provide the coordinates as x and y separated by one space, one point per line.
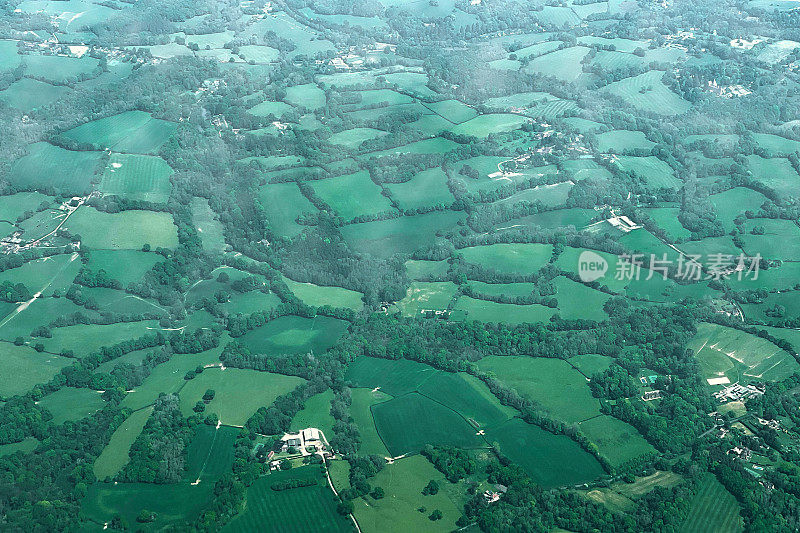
738 392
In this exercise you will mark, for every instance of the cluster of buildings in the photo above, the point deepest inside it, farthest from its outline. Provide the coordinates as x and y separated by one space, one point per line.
309 441
492 496
738 392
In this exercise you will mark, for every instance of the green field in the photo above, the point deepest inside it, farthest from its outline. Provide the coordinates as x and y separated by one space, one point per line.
127 230
239 392
311 508
468 396
361 411
551 195
485 311
354 137
733 202
383 238
427 188
46 274
621 141
28 94
48 166
352 195
210 453
123 265
564 64
776 173
485 125
509 258
17 205
115 455
283 203
551 460
307 95
406 424
739 356
316 413
422 296
713 509
58 69
208 226
423 269
23 367
590 364
137 177
617 441
318 295
552 383
294 334
130 132
653 171
69 403
647 92
403 481
395 377
577 301
258 54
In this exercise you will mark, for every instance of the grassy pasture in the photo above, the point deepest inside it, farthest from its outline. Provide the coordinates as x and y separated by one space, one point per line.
258 53
551 460
28 94
352 195
310 508
172 503
553 383
667 219
568 261
784 276
577 301
789 301
452 110
47 166
558 218
83 339
361 411
354 137
781 239
408 423
208 226
580 169
648 93
733 202
283 203
42 311
403 481
16 205
503 289
318 295
436 145
723 351
713 509
468 396
123 265
551 195
621 141
168 377
294 334
485 125
250 302
590 364
617 441
240 392
776 145
137 177
776 173
307 95
525 258
115 455
316 413
417 269
652 170
53 273
23 367
405 234
427 188
119 301
58 69
210 453
564 64
130 132
126 230
264 109
422 295
484 311
69 403
25 446
9 58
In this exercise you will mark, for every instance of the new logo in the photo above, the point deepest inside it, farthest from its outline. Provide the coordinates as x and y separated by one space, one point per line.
591 266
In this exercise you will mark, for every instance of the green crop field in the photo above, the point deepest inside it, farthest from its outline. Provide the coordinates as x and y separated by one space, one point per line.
352 195
24 367
648 93
551 460
265 109
502 289
58 69
406 424
310 508
424 269
361 411
739 356
713 509
127 230
115 455
552 383
210 453
14 206
71 404
123 265
621 141
318 295
138 177
46 274
733 202
776 173
549 195
130 132
484 125
48 166
653 171
353 138
208 226
395 377
316 413
294 334
307 95
452 110
776 145
468 396
564 64
239 392
577 301
424 295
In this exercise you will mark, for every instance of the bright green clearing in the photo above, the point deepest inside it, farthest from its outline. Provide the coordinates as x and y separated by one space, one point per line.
577 301
47 166
617 441
316 413
525 258
428 188
486 311
283 203
425 296
126 230
115 455
713 509
131 132
69 403
352 195
361 404
295 335
208 226
28 94
648 93
318 295
137 177
24 367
